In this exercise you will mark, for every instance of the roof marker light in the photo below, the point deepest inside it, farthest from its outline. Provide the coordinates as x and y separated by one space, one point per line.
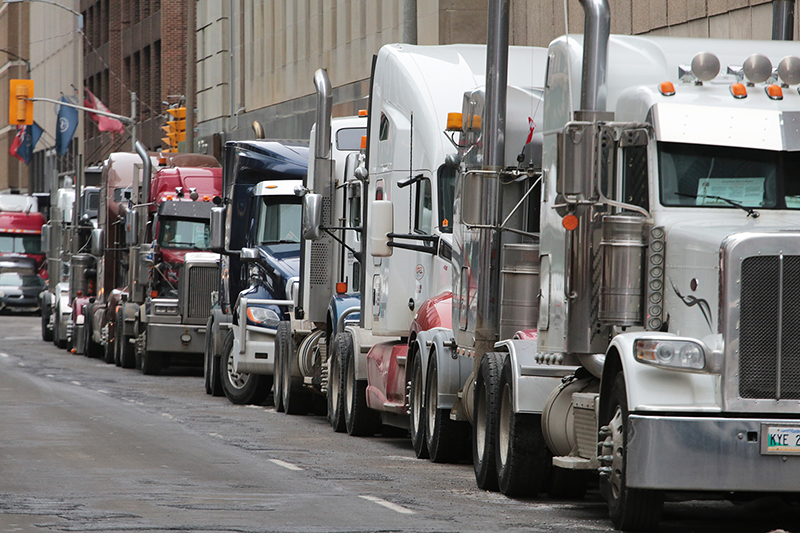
666 88
363 112
454 121
705 66
774 92
738 90
789 70
757 68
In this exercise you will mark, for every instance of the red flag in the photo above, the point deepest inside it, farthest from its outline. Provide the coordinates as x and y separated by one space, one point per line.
103 123
19 138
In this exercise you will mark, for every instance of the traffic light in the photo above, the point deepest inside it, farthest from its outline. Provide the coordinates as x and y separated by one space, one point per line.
171 140
179 122
20 108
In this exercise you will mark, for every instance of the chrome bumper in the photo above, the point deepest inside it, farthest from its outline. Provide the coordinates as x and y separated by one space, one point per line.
176 338
706 454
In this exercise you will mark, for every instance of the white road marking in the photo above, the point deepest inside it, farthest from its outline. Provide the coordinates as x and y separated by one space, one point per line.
400 458
167 415
3 354
50 376
389 505
101 391
284 464
78 383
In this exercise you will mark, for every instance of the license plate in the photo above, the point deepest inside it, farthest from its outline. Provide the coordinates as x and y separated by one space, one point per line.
780 439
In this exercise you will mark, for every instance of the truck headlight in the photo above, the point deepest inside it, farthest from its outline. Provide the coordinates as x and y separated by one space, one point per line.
678 354
263 317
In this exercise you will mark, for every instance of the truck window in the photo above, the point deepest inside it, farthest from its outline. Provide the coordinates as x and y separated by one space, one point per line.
349 139
700 176
383 135
183 233
279 220
634 176
424 215
29 244
447 190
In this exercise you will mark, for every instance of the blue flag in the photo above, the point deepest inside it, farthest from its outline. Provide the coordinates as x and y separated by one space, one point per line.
66 126
32 134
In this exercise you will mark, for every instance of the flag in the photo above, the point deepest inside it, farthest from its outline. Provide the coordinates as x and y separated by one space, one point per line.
103 123
25 141
66 126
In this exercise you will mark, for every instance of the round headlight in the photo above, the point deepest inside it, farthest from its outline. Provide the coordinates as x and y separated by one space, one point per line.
665 353
691 356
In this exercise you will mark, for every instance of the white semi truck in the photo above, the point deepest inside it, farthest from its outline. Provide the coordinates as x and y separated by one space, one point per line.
642 324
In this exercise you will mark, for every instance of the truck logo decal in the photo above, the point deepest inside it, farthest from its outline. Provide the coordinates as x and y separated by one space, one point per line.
691 301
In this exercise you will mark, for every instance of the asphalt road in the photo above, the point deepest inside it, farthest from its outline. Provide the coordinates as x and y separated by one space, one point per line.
86 446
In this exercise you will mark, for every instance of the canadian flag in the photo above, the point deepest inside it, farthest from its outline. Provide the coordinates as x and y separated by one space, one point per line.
103 123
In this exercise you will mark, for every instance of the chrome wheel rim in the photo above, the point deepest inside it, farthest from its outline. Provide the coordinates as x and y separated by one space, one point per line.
416 399
237 379
504 424
480 425
432 400
617 426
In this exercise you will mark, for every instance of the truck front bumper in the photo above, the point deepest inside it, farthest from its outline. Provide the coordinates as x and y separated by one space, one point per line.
708 454
258 355
176 338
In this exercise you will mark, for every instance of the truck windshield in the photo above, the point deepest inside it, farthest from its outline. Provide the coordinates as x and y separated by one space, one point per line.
279 219
28 244
184 233
721 176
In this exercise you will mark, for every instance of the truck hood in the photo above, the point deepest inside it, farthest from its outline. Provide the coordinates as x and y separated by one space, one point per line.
283 258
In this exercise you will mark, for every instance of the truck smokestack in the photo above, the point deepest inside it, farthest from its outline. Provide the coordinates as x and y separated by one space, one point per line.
596 29
494 125
782 20
146 169
322 141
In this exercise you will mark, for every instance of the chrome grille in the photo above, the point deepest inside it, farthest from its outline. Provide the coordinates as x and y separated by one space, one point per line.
769 351
202 281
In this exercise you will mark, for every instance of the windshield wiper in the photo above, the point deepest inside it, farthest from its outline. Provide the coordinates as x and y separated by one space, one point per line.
749 210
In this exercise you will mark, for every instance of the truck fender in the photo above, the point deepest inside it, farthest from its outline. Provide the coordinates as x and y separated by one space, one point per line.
532 382
130 313
453 370
220 327
653 388
48 299
361 346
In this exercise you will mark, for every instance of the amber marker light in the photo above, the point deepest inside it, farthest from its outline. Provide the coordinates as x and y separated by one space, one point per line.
667 88
363 112
774 91
341 287
570 222
153 294
206 198
739 91
363 142
454 121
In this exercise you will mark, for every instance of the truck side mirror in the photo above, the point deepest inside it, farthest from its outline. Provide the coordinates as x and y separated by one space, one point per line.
249 255
46 239
576 160
217 230
381 224
98 240
312 217
471 201
132 228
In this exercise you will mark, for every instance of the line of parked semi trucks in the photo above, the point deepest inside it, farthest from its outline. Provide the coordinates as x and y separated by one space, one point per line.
575 265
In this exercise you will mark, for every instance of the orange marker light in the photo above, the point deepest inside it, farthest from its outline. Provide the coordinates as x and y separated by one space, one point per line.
570 222
153 294
362 112
454 121
774 91
666 88
363 142
738 90
206 198
341 287
169 197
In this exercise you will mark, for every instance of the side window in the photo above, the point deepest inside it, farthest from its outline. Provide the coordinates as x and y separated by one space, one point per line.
383 135
634 176
424 212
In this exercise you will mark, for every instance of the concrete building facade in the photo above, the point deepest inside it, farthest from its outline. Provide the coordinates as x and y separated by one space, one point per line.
256 58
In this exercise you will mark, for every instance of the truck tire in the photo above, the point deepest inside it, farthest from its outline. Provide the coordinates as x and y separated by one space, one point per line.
416 409
151 363
277 382
484 426
296 399
630 509
47 333
334 394
241 388
445 439
57 340
360 420
523 459
109 352
126 350
213 383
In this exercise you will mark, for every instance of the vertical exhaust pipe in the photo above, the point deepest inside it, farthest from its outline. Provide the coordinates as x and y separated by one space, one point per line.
596 30
146 169
494 125
782 20
322 148
410 21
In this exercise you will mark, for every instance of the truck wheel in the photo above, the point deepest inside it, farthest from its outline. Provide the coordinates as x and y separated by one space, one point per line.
523 460
211 367
445 438
484 427
57 340
630 509
151 363
241 388
109 353
296 400
335 387
126 350
47 333
416 409
359 419
277 381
